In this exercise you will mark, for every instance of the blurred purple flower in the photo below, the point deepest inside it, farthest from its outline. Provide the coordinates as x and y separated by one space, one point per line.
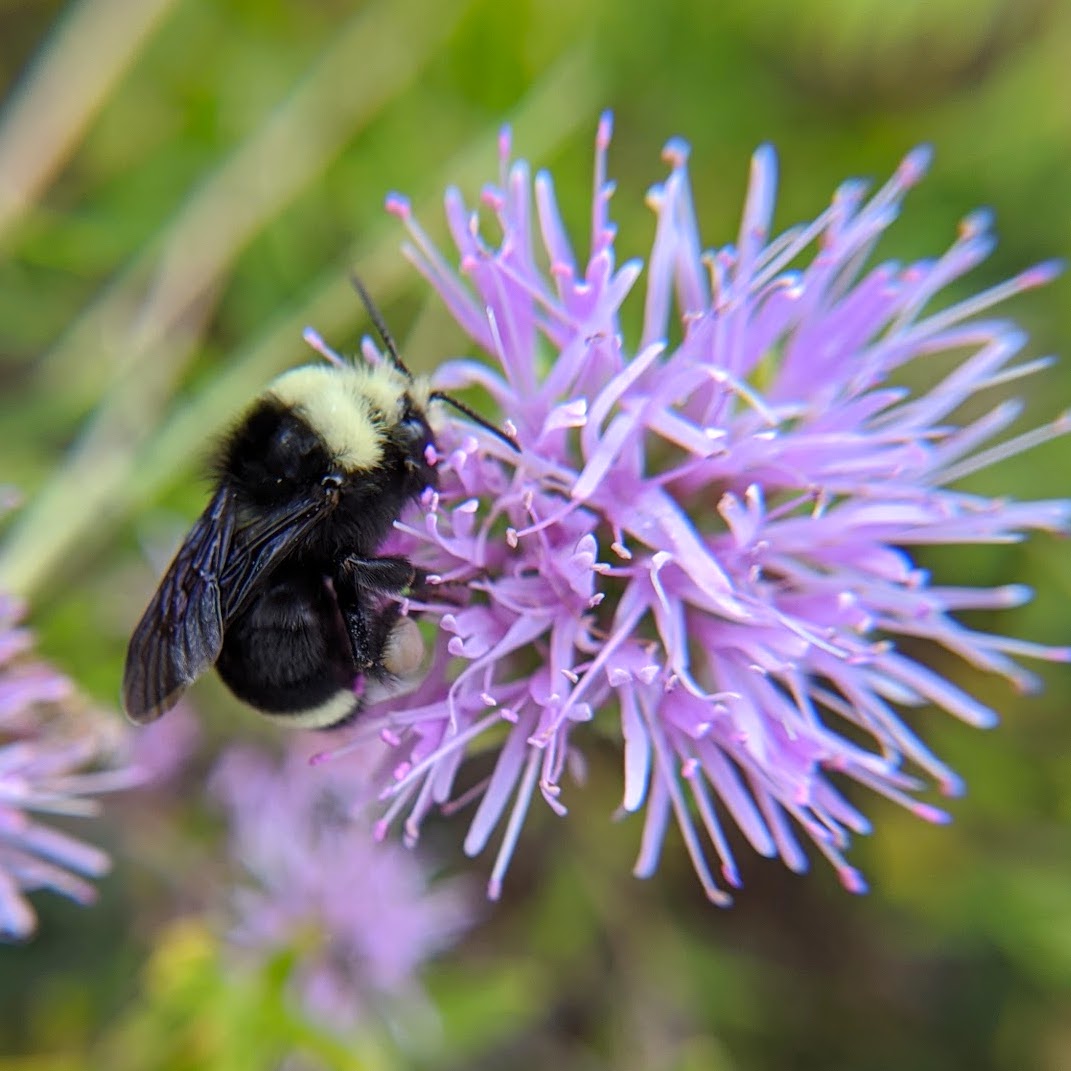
707 537
162 751
360 915
46 757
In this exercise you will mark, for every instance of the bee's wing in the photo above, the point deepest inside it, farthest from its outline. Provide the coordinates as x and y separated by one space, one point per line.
259 545
213 577
181 632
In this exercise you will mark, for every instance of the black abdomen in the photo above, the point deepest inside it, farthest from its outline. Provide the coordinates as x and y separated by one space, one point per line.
288 652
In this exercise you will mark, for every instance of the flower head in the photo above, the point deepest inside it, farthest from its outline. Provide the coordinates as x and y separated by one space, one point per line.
48 753
705 544
361 914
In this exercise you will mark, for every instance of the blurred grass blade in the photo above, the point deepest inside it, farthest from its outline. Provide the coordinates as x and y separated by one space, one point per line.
60 94
370 60
136 338
564 102
117 468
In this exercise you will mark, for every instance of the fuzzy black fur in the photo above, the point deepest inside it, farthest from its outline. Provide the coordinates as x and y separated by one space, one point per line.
319 620
279 582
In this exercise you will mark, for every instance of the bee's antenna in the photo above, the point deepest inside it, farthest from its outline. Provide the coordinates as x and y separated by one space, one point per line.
461 407
392 351
380 326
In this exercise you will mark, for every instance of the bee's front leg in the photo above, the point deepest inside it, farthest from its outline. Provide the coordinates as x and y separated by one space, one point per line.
375 626
388 576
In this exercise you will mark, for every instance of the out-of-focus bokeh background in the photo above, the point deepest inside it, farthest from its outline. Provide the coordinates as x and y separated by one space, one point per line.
184 185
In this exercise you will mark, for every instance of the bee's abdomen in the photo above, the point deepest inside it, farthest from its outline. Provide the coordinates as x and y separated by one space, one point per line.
287 653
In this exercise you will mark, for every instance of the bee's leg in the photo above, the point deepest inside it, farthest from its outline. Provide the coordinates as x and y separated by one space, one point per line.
389 576
365 641
381 624
384 644
358 582
400 655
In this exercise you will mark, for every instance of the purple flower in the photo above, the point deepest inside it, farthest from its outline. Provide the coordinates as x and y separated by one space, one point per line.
705 546
47 752
360 915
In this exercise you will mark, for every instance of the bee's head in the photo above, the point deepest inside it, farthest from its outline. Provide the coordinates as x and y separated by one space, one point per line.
414 442
363 428
419 388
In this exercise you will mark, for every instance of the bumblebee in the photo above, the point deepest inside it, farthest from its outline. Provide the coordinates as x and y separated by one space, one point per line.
279 583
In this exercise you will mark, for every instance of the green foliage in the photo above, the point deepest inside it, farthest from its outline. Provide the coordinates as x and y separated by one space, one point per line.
199 1014
162 267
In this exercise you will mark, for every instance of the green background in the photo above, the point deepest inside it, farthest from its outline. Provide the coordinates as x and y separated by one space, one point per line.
193 181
